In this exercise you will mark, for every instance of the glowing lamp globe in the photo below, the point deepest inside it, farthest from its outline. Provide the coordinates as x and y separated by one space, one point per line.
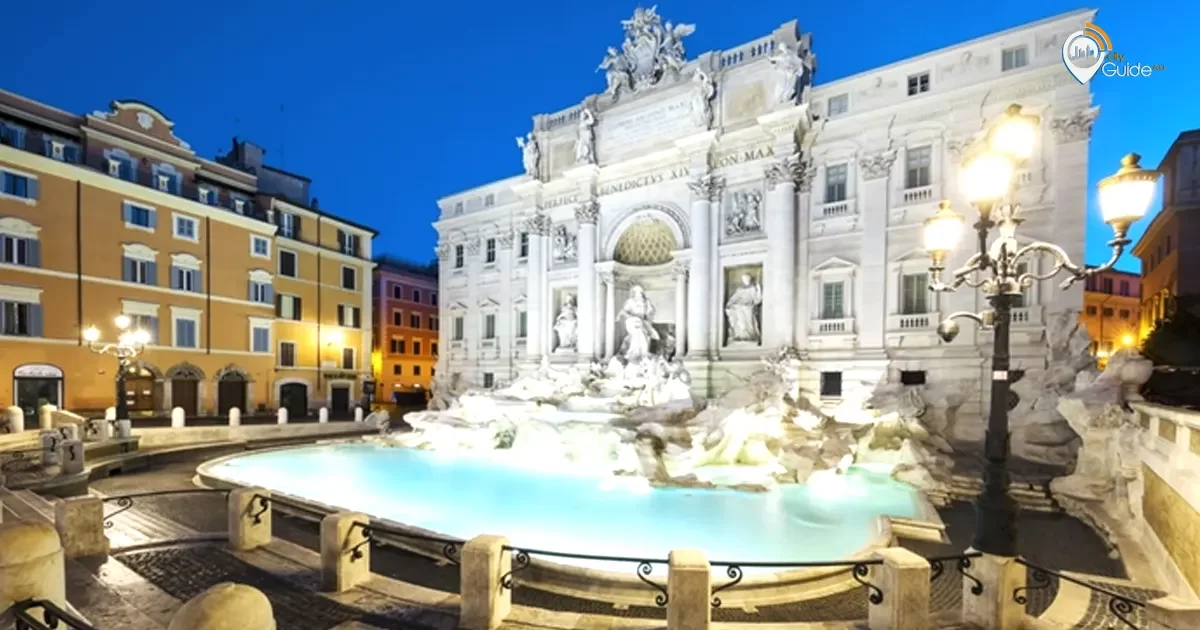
1125 196
141 337
943 231
91 335
986 177
1014 136
122 321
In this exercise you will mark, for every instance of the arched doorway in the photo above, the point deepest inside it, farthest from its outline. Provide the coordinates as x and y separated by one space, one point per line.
232 385
294 398
143 389
643 253
185 387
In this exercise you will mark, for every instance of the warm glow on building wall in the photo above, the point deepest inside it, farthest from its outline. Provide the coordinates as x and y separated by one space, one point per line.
111 214
1112 311
406 311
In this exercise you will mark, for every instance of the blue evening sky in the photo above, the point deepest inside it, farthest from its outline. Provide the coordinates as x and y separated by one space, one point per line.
391 105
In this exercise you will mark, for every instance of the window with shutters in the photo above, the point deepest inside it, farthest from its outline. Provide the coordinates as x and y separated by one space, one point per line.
61 150
347 358
914 293
349 278
414 320
19 186
240 204
166 178
289 224
12 135
458 328
139 271
348 316
417 348
397 346
260 335
260 246
121 165
207 196
20 319
287 263
185 279
287 354
288 307
261 292
348 243
186 228
139 217
187 332
21 250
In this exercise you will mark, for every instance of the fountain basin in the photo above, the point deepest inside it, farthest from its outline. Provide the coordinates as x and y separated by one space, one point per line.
462 495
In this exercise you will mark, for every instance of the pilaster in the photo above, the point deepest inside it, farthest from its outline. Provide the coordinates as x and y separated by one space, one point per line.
875 174
779 276
504 318
586 215
705 191
807 173
1071 135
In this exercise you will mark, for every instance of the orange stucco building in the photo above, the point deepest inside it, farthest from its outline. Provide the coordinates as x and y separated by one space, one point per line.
1111 311
1170 247
406 312
111 213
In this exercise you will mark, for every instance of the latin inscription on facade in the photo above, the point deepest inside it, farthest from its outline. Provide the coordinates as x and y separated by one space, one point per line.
620 135
642 180
742 155
560 200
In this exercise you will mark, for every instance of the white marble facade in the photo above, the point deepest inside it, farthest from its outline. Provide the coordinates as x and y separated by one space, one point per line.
758 211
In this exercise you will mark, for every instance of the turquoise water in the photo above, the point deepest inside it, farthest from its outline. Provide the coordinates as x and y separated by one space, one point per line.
463 495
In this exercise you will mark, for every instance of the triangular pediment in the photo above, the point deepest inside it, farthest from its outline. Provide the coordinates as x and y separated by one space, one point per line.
488 303
458 306
912 255
834 263
519 300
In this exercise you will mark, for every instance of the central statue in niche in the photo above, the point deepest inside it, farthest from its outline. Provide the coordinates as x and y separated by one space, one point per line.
741 311
636 316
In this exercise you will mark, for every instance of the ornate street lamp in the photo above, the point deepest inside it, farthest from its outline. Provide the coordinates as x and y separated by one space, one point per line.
130 343
987 179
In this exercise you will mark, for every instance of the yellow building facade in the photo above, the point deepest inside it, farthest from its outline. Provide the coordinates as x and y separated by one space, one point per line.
111 214
1112 311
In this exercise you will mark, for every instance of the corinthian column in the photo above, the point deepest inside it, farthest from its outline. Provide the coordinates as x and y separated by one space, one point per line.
610 315
538 227
705 191
586 214
779 300
875 171
681 275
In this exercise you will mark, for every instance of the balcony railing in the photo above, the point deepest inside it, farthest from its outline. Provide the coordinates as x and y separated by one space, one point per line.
913 321
834 209
922 194
832 326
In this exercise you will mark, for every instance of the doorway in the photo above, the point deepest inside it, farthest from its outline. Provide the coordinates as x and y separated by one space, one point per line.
294 398
186 395
35 385
339 400
141 390
231 392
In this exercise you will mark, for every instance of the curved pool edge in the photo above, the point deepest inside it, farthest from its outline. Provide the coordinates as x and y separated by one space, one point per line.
599 584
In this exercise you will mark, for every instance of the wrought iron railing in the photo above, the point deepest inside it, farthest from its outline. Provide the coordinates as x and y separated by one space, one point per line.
859 570
962 562
52 617
645 567
125 502
1119 606
374 533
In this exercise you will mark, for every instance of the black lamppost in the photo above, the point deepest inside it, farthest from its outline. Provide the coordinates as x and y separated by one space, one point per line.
130 343
988 170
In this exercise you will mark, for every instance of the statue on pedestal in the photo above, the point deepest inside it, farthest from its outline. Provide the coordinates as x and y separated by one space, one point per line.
585 141
566 325
636 317
741 311
530 154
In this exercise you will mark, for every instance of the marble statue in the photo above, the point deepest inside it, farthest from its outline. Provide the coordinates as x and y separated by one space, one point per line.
795 67
565 244
741 311
651 50
566 325
585 141
531 154
745 216
702 98
636 318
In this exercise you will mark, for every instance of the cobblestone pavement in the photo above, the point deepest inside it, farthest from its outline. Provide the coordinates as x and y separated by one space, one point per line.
1102 609
186 571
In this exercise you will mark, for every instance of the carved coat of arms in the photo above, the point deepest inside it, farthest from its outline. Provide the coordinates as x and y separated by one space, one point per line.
651 50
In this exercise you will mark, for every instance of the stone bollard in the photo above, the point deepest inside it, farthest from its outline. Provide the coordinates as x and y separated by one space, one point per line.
281 415
1172 613
69 432
31 564
46 417
16 419
235 417
358 414
345 556
323 415
485 603
994 608
178 418
71 457
124 429
903 578
689 590
110 413
224 606
80 525
50 440
249 518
